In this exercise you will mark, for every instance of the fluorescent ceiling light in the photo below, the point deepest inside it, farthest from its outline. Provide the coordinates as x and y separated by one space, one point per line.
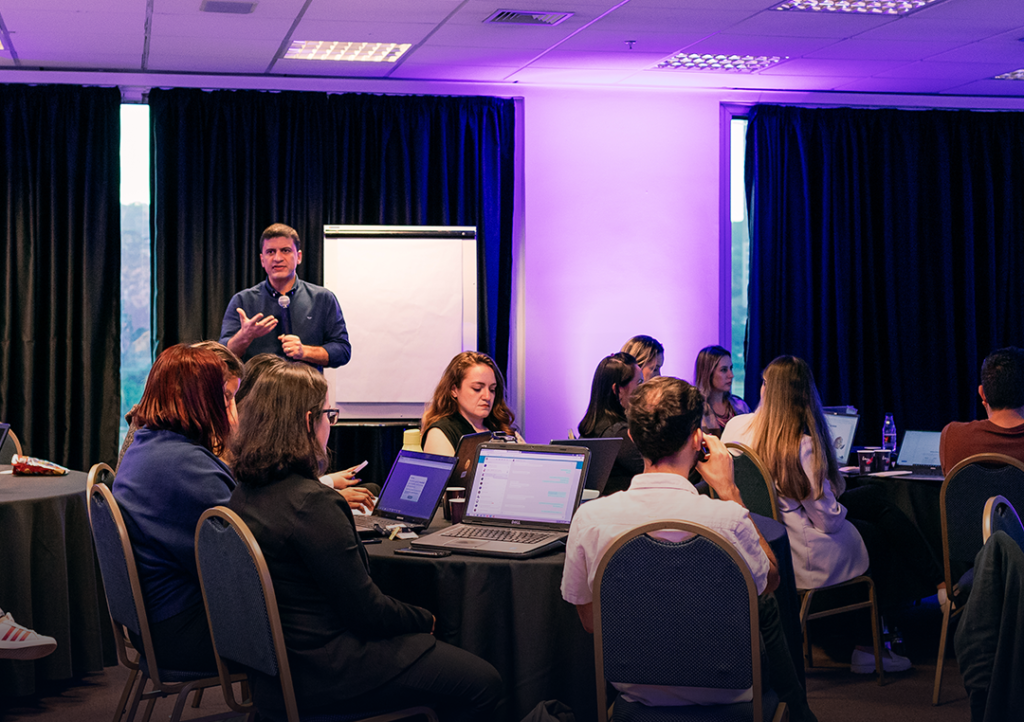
357 52
1015 75
870 7
726 63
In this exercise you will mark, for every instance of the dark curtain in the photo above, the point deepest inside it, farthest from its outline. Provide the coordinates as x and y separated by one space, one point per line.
226 164
887 250
59 351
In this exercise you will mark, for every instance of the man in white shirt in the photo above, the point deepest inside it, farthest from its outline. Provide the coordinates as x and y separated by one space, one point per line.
664 422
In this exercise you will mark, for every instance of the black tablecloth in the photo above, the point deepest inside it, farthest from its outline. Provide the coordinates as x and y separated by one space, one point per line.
511 613
49 578
917 497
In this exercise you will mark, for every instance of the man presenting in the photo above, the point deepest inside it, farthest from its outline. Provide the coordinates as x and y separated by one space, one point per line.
284 315
664 418
1002 395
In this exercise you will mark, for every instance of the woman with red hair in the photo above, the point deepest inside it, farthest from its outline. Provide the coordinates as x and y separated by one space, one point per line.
168 477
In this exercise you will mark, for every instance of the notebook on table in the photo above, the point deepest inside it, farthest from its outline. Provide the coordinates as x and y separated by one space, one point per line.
919 455
602 458
842 428
410 493
520 504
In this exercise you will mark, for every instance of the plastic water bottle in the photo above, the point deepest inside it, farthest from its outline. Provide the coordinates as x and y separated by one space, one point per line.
889 435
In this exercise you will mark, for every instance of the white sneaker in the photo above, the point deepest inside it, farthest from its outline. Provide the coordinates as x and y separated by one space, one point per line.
18 642
864 662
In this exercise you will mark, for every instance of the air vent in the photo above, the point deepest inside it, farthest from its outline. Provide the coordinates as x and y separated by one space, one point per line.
225 6
519 17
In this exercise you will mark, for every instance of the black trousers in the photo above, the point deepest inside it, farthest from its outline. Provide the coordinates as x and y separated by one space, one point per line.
458 685
182 642
780 674
989 642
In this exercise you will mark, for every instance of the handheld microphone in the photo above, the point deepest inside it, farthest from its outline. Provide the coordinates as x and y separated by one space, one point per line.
286 317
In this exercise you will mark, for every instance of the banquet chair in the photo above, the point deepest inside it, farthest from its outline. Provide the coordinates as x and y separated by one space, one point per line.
806 615
999 515
11 447
754 481
127 610
649 627
962 498
241 607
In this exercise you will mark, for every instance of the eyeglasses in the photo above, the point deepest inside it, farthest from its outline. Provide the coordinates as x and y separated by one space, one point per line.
332 415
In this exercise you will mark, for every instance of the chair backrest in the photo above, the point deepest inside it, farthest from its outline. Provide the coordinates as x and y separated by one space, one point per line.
10 447
966 489
999 515
650 625
240 602
754 481
117 565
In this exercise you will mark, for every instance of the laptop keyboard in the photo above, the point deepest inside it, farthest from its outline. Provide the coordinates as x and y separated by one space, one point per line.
519 536
366 522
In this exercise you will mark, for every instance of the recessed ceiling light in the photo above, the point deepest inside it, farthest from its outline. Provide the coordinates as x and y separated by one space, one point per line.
869 7
1015 75
356 52
724 63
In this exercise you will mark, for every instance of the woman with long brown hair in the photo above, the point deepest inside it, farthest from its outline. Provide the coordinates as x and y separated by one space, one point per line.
469 398
615 379
789 433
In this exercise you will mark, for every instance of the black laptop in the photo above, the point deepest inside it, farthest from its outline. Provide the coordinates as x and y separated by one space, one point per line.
410 494
603 453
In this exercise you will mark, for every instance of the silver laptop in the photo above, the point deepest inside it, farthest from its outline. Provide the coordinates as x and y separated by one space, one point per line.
410 493
919 454
842 428
520 504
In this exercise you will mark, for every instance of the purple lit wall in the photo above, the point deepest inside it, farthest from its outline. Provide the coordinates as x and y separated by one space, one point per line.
621 238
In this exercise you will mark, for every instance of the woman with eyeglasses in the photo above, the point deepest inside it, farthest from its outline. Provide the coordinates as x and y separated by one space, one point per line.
168 477
350 646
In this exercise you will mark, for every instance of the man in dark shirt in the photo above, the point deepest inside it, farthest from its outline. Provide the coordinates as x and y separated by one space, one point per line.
308 319
1002 395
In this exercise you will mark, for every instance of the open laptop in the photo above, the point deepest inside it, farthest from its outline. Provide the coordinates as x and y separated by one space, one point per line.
602 458
466 454
919 454
520 504
410 493
842 428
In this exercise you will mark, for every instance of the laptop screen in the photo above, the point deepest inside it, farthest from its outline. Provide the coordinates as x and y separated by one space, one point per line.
842 427
526 485
415 484
920 448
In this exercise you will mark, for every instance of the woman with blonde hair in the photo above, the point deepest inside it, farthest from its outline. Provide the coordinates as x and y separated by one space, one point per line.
649 354
712 375
789 433
469 398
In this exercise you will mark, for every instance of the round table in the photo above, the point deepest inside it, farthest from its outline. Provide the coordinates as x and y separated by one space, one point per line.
511 613
49 578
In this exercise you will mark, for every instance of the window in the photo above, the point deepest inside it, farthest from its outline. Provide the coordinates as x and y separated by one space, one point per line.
136 347
740 247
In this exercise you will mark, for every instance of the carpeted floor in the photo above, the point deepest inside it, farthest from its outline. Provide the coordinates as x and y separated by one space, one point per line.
835 694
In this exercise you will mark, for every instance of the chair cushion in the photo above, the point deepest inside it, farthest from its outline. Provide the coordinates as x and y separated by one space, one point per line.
635 712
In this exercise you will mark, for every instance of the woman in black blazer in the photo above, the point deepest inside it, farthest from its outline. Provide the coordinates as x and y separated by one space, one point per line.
351 647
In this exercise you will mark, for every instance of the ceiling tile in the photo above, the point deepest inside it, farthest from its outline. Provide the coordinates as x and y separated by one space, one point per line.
808 24
832 68
857 48
618 60
665 42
